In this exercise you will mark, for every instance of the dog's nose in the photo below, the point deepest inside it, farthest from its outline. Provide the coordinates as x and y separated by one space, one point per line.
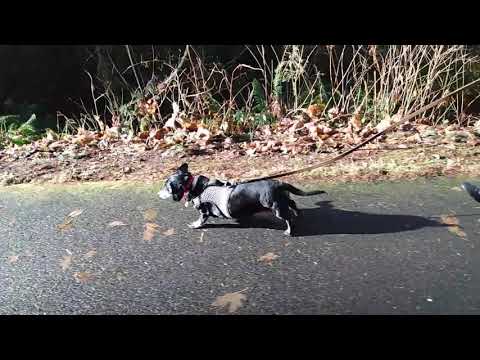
163 194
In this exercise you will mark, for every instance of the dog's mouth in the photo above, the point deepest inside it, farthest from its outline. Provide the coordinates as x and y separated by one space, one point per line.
165 194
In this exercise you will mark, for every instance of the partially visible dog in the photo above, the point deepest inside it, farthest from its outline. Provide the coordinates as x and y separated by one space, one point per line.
472 190
233 201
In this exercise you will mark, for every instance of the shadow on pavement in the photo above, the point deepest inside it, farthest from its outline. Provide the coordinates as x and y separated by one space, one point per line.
326 219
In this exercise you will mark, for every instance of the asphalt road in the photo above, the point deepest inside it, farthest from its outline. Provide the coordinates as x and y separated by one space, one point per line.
361 249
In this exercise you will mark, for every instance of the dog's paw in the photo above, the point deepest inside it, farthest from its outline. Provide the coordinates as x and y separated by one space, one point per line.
195 225
287 232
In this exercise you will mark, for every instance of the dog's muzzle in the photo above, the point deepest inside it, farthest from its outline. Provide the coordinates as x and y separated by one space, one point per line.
164 194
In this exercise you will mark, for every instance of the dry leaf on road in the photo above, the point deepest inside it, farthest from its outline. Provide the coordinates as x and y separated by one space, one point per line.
453 225
268 258
83 276
150 230
116 223
12 259
66 225
234 301
169 232
90 254
66 262
150 215
75 213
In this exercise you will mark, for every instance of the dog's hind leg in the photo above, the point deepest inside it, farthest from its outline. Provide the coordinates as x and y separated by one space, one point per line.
283 212
293 207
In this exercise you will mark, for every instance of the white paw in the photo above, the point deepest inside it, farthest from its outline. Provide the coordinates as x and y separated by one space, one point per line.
195 225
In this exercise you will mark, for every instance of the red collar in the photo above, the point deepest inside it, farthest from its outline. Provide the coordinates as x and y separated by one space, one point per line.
188 187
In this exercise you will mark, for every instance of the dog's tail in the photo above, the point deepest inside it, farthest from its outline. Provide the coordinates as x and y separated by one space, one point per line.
472 190
296 191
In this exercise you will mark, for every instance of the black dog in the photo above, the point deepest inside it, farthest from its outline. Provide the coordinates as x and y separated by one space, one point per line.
472 190
232 201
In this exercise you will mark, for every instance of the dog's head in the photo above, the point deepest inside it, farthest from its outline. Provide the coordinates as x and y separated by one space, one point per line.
177 185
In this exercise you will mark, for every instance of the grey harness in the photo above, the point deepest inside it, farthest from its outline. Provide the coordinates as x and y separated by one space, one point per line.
218 196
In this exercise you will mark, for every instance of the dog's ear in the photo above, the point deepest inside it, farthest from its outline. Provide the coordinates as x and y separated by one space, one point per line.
183 168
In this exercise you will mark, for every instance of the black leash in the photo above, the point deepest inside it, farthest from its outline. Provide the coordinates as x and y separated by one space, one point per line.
373 137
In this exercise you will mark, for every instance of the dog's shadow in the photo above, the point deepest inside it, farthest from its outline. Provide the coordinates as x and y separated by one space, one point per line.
326 219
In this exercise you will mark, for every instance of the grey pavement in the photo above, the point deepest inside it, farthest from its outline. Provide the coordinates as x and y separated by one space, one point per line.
361 249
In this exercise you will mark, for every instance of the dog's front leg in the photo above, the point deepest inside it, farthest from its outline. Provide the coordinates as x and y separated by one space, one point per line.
201 220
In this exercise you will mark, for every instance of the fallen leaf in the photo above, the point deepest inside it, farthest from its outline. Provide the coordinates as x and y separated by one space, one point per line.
333 112
66 262
190 126
150 230
112 132
90 254
385 123
150 215
75 213
315 110
234 301
450 220
116 223
268 258
83 276
65 225
12 259
457 231
174 121
297 124
453 225
356 121
277 109
83 139
143 135
203 133
169 232
56 145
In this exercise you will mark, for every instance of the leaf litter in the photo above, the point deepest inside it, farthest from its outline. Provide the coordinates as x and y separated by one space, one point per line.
453 225
268 258
75 213
150 230
83 277
233 301
116 223
150 215
66 262
68 222
315 131
13 259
